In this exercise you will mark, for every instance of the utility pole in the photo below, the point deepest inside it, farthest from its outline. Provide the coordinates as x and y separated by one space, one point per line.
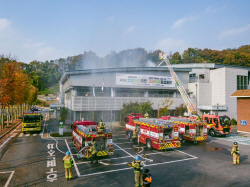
196 85
158 111
217 108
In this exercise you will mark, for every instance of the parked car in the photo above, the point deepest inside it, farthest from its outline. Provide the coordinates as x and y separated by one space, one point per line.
49 99
51 109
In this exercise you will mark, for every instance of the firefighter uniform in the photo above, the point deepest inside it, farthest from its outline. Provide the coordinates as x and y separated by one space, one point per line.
92 150
138 172
198 119
134 136
236 153
68 163
101 127
146 115
147 179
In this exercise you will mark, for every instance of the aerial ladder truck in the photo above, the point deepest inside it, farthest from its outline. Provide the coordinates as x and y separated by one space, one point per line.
189 129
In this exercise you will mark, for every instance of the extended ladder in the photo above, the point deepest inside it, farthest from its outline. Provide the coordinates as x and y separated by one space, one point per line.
179 86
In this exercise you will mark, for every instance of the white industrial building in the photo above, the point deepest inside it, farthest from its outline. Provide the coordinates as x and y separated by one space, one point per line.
211 83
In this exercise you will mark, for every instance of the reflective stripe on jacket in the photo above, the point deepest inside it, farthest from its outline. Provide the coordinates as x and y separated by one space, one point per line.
235 150
136 166
134 134
92 149
67 161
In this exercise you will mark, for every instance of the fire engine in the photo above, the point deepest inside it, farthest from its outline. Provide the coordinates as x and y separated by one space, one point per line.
31 121
217 125
189 129
155 133
85 132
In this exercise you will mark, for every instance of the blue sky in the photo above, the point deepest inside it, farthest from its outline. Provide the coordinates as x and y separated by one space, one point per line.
46 30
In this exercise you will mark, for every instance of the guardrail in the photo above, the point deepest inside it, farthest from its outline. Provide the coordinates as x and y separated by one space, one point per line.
7 135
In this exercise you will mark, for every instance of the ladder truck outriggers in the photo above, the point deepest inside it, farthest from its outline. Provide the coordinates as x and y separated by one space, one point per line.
189 129
85 132
155 133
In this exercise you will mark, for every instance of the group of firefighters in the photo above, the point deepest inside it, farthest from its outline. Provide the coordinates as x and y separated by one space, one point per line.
143 179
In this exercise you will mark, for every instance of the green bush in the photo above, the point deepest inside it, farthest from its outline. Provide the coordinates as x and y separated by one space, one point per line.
46 94
122 123
233 121
37 102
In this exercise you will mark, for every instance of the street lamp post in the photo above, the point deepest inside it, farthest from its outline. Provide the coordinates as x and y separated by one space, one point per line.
196 85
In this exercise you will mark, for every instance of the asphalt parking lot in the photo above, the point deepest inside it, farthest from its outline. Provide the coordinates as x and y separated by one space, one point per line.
207 163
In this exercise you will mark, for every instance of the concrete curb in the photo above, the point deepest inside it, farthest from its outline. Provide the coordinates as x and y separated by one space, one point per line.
10 130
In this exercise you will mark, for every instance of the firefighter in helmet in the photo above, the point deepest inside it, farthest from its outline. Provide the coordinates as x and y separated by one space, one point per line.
68 164
134 138
146 115
138 171
102 126
236 153
92 150
197 119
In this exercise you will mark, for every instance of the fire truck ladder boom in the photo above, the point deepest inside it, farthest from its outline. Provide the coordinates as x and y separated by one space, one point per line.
179 86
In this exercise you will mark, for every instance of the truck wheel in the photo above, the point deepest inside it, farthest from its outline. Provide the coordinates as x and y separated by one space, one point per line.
212 133
149 144
130 136
181 137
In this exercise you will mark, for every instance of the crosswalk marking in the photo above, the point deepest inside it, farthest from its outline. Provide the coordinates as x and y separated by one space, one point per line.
20 135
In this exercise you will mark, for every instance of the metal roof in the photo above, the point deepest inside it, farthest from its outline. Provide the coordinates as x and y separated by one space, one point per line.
121 69
241 93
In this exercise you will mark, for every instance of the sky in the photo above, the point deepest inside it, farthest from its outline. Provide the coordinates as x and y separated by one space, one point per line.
47 30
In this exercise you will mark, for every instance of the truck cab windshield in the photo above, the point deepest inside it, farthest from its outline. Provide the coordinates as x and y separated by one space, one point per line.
31 119
224 120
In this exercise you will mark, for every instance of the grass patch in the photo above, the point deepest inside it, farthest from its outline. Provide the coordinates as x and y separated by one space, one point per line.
51 90
64 134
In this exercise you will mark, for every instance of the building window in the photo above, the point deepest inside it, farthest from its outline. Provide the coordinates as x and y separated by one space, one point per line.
201 76
192 75
242 82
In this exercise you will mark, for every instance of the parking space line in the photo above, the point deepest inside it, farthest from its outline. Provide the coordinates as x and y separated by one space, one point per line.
186 153
124 142
76 168
27 134
104 159
123 150
171 162
20 135
34 134
11 175
105 172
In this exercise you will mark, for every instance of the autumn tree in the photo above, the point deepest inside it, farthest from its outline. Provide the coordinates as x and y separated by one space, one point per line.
180 110
166 104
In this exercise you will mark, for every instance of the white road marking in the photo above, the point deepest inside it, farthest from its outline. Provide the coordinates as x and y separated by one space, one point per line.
20 135
76 168
123 150
11 175
125 142
105 159
34 134
27 134
171 162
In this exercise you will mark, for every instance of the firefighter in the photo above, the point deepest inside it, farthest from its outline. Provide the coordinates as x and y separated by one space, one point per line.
68 164
147 179
236 153
146 115
198 119
102 126
138 171
92 150
134 136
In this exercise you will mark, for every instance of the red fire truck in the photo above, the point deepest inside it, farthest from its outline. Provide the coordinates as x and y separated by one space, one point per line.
217 125
85 132
189 129
155 133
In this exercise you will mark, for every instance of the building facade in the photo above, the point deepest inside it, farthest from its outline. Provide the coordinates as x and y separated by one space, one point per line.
243 110
119 85
101 93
